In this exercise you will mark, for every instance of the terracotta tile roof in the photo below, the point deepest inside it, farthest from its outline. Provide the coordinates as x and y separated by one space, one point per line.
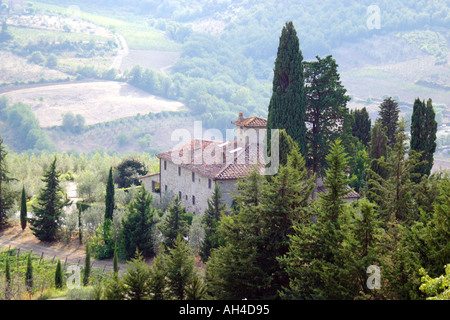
253 122
352 194
216 160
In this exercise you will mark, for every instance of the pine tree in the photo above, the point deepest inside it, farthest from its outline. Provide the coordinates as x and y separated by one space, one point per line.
393 192
361 246
283 203
23 210
137 279
423 136
258 233
87 266
314 261
175 224
50 202
326 109
180 268
377 153
158 277
389 112
288 102
58 276
211 218
361 125
137 225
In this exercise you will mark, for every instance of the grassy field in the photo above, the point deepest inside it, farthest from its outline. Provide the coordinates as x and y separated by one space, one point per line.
24 36
14 68
138 34
97 101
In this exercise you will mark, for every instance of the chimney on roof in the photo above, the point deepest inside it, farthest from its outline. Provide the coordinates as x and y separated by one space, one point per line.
241 116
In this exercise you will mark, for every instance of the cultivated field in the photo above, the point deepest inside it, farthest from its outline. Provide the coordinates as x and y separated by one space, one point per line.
14 68
96 101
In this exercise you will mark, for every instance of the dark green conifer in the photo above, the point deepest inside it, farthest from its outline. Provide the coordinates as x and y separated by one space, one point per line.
287 106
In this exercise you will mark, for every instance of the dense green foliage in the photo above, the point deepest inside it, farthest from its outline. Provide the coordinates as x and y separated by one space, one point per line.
210 221
49 204
423 135
287 105
326 109
137 226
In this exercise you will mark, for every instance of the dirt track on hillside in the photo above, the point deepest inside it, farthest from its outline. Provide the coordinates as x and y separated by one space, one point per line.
71 253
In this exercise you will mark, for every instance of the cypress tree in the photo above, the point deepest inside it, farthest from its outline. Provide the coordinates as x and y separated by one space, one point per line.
87 267
58 276
389 112
23 210
210 221
326 111
287 106
115 262
109 210
286 144
423 136
109 198
7 278
50 203
29 280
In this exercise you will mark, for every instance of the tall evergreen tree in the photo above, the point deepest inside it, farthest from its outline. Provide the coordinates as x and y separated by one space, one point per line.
377 153
423 135
393 192
361 246
211 218
29 278
314 260
175 224
389 112
158 278
23 210
6 196
286 144
50 202
87 266
7 278
137 279
258 233
110 205
180 268
326 109
361 125
288 102
109 198
137 225
58 276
